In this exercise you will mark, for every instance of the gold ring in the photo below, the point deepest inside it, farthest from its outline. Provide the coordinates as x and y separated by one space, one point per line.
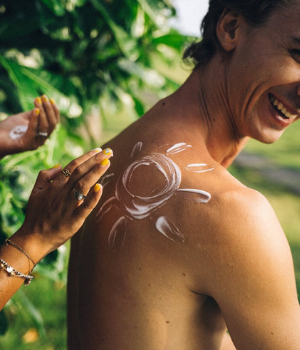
66 172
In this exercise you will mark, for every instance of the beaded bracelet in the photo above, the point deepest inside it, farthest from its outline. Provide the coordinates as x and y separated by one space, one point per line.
12 272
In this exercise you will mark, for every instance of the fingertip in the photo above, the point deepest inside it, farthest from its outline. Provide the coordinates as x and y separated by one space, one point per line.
108 152
54 171
33 121
45 98
104 162
57 166
98 187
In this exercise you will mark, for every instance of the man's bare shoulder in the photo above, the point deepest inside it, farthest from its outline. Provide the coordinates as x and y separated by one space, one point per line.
236 231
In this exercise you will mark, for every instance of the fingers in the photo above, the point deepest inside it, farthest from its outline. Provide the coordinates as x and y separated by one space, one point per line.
84 184
54 209
56 110
90 202
76 163
29 139
45 177
33 117
76 182
49 115
88 172
68 170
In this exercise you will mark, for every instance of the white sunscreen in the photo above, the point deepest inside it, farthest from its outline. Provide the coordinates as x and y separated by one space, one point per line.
106 179
18 131
198 168
141 207
165 226
179 147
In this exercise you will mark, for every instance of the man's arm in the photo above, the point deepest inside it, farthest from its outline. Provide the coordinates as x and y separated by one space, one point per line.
254 281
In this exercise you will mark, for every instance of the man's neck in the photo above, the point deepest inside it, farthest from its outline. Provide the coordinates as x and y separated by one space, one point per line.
205 102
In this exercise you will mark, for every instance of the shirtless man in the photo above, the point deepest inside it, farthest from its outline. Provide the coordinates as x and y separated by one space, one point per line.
178 251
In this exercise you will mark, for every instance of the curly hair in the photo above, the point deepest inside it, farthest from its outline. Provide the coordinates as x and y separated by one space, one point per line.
255 12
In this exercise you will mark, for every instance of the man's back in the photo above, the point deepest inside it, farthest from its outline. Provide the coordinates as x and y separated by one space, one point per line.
177 248
135 276
145 267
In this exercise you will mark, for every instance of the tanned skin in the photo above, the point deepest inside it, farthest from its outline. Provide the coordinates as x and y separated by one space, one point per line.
234 269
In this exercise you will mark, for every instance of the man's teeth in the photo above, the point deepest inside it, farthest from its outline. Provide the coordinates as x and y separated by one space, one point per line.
280 106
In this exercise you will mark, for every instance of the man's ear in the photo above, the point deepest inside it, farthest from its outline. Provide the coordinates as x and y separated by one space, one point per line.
228 29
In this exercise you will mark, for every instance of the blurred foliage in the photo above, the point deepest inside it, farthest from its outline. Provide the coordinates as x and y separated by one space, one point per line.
94 58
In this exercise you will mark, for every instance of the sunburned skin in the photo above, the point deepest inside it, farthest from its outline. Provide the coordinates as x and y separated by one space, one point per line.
17 132
140 206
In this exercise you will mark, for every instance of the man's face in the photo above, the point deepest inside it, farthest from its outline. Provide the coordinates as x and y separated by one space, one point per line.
263 80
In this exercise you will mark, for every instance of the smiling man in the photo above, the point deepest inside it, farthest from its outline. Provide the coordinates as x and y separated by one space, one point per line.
178 251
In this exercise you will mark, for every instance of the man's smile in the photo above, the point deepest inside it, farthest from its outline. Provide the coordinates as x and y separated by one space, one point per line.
282 109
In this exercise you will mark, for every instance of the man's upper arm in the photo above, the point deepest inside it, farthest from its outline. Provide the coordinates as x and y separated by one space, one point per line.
254 283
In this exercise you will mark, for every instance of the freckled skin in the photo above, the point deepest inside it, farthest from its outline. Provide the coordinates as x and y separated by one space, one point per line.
234 270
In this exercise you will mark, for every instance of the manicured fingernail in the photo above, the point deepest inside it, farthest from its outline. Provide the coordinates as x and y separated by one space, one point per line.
98 149
57 166
104 162
52 101
45 98
38 100
97 187
37 111
107 151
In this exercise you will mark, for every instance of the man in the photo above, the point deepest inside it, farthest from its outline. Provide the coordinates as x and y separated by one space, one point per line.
178 250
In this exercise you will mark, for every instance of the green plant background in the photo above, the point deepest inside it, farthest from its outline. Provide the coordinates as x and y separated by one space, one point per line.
104 62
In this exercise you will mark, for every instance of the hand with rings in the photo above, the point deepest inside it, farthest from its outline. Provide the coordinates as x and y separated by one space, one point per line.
28 130
60 202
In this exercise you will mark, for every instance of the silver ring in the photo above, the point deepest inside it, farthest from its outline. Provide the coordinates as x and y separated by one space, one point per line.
42 134
66 172
79 196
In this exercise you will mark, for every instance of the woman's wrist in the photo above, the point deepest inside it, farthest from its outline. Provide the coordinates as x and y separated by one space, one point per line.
31 243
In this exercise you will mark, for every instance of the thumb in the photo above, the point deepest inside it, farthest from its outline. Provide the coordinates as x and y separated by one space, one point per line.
45 177
33 117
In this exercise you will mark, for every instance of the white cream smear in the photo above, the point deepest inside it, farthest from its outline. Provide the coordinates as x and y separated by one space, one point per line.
197 168
179 147
18 131
140 206
106 179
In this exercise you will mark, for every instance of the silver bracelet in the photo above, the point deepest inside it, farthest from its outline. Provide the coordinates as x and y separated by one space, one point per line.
12 272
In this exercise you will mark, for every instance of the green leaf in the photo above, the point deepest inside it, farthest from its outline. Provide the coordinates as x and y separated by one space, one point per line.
12 28
139 106
3 323
32 83
150 11
80 3
127 44
55 6
25 89
175 40
33 312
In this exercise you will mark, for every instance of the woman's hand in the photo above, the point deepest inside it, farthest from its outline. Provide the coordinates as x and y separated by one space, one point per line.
60 202
28 130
